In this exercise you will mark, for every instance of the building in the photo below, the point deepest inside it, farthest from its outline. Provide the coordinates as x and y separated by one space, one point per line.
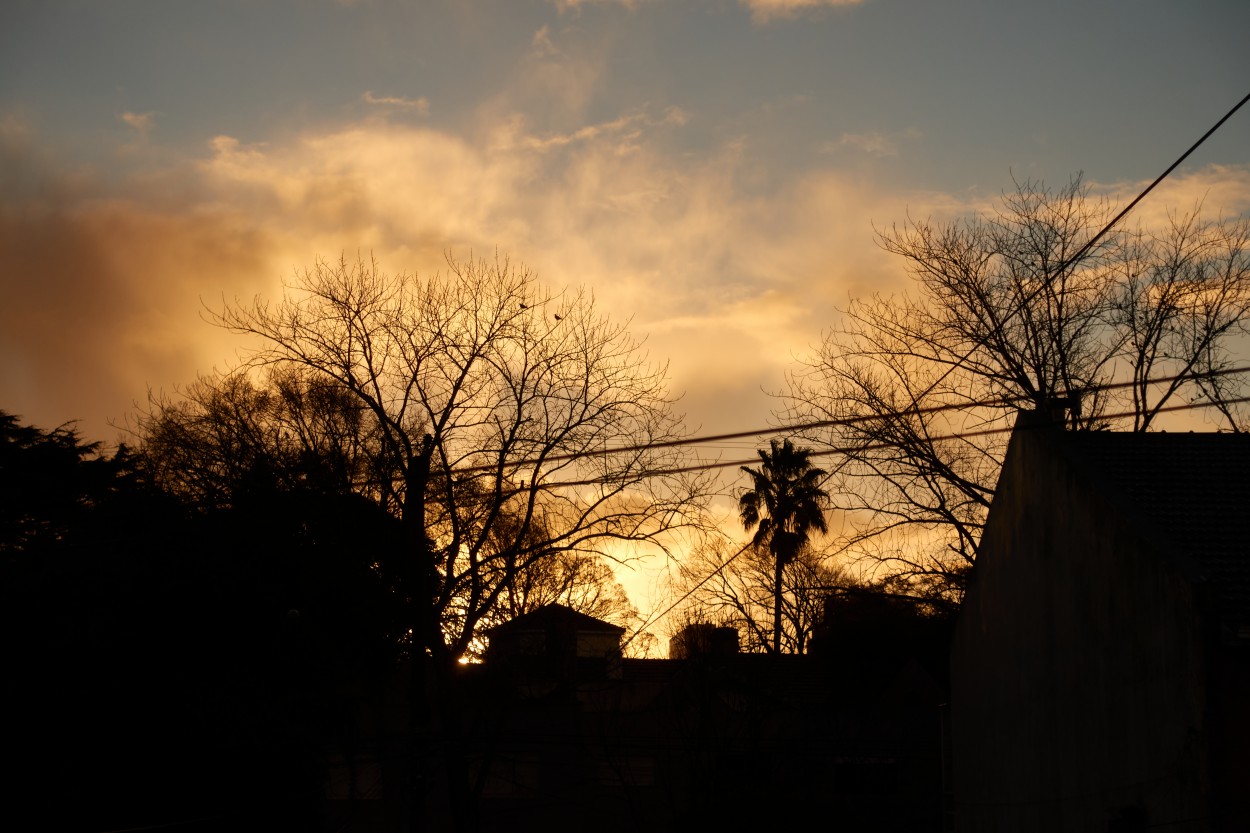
1100 678
571 736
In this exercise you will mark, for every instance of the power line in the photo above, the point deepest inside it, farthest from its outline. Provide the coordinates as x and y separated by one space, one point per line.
795 428
872 446
1160 178
1064 265
963 435
915 400
651 621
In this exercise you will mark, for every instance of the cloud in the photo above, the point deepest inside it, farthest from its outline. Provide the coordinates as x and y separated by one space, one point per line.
421 105
665 239
874 143
141 122
576 5
542 45
557 79
627 129
726 279
1215 191
763 11
104 300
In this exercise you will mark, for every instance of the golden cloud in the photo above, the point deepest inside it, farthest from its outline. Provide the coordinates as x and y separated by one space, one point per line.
142 122
761 10
666 241
764 10
1215 191
420 105
725 280
102 297
576 5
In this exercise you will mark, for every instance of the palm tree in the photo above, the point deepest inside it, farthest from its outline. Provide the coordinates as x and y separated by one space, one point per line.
786 502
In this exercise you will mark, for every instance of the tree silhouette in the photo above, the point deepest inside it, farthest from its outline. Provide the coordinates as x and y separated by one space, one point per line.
784 504
726 587
481 391
1012 309
250 616
50 481
494 403
225 436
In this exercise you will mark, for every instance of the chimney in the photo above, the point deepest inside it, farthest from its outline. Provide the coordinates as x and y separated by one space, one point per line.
1054 412
703 640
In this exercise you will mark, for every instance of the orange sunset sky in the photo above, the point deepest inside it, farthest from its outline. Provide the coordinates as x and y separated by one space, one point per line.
712 169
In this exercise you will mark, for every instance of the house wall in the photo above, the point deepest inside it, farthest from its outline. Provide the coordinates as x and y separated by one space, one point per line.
1077 682
1228 675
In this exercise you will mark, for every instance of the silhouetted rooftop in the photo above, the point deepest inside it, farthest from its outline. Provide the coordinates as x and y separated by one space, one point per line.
556 616
1190 490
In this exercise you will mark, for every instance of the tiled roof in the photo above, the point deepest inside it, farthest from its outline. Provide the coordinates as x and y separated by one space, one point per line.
1192 490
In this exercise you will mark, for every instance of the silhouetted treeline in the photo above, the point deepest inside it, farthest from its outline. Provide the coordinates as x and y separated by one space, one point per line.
170 661
167 662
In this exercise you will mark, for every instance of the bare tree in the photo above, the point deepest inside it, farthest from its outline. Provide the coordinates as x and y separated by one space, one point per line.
1008 311
486 393
225 440
520 425
226 433
1182 296
584 583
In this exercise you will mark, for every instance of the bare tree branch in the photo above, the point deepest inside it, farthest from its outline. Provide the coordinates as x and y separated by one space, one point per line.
1001 310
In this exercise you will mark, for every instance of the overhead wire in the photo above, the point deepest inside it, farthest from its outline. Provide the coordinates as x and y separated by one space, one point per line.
986 432
1089 244
1066 264
916 399
916 408
799 427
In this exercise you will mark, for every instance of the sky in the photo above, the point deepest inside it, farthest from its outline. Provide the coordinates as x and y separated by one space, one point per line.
712 170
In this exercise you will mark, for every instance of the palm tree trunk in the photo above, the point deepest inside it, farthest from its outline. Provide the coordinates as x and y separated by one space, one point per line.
777 604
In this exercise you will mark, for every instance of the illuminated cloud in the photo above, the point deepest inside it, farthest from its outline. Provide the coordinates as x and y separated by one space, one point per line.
761 10
1215 191
727 283
542 45
628 129
576 5
141 122
765 10
726 287
103 301
420 105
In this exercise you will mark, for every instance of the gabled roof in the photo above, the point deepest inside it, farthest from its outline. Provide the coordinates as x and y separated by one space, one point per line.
1189 491
556 616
